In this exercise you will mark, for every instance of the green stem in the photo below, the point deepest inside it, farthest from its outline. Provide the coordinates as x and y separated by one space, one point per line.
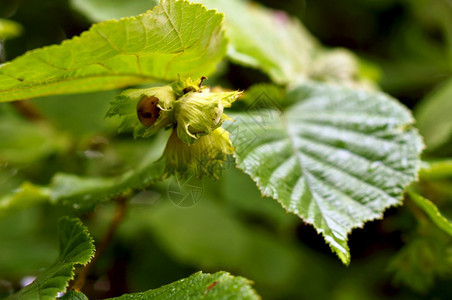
436 169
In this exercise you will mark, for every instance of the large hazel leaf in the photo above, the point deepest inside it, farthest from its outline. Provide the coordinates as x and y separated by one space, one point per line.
336 158
220 285
262 38
76 247
176 38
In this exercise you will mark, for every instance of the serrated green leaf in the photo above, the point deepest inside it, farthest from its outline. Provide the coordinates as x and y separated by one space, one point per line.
337 158
101 10
176 38
432 211
76 248
220 285
262 38
84 192
9 29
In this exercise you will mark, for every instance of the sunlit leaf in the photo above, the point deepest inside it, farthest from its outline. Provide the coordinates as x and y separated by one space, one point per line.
262 38
176 38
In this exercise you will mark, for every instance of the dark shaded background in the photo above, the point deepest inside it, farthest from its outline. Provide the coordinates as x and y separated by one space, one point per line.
407 40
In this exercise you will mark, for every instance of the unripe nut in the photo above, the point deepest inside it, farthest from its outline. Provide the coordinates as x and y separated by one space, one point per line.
148 110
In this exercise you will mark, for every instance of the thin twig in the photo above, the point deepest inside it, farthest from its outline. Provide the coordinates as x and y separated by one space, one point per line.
423 221
118 217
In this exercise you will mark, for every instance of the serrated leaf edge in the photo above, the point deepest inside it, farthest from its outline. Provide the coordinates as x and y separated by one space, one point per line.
409 125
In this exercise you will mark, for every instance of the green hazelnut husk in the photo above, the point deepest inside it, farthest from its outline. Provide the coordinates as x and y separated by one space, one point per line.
145 111
198 145
198 114
205 156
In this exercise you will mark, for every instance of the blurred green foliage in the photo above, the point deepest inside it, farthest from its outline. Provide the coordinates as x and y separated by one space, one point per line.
232 227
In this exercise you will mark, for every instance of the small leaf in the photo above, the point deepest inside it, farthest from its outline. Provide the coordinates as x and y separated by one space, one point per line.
337 158
76 247
262 38
176 38
73 295
220 285
432 211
